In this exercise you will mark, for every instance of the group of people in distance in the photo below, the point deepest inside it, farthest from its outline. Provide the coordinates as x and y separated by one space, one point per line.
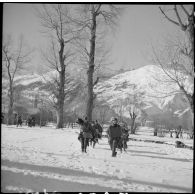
30 121
90 132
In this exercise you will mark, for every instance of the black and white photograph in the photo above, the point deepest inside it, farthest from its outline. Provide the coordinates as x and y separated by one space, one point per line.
97 97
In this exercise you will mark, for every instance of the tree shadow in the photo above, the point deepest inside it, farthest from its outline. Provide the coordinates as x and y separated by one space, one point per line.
103 148
139 146
144 151
165 158
78 173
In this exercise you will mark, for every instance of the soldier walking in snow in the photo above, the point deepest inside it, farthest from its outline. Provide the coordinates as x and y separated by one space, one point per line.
94 139
125 136
85 134
29 121
19 120
99 129
92 130
114 133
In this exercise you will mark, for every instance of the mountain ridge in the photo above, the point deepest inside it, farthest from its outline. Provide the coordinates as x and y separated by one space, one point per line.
119 87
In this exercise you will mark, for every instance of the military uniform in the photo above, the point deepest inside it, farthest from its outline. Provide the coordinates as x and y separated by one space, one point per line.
114 133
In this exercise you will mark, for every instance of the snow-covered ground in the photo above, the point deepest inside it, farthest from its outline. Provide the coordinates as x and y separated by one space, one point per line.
49 159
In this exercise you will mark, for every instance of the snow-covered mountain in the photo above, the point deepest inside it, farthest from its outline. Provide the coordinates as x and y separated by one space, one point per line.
146 80
158 95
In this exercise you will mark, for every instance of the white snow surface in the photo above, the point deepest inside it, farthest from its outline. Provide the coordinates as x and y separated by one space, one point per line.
144 167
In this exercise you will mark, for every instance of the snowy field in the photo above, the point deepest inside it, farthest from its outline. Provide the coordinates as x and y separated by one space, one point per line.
50 160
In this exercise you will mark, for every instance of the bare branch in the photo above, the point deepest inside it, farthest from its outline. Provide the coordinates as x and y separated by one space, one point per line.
183 27
184 9
98 9
166 72
171 20
95 83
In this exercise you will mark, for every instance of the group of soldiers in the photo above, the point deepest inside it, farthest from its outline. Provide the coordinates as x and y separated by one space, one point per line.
91 132
30 121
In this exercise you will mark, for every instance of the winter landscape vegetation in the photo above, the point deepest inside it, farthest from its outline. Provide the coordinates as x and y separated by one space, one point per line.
62 62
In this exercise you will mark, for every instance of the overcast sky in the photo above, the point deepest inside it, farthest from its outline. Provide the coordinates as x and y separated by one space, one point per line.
139 26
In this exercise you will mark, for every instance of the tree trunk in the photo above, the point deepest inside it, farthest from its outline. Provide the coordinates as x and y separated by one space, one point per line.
133 125
61 95
10 116
190 35
10 109
133 117
90 94
91 67
60 116
191 102
40 122
60 105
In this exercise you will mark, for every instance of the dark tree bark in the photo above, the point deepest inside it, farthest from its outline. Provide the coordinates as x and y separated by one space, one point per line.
90 71
60 101
11 100
92 19
133 127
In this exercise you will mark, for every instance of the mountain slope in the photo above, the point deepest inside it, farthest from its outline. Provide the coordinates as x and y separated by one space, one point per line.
118 88
146 79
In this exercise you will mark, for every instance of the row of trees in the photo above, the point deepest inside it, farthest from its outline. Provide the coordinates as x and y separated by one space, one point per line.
75 33
72 29
75 27
13 60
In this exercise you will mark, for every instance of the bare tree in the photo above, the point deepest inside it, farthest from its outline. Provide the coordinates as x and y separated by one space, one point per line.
13 63
176 58
135 104
93 18
55 19
176 74
143 117
181 53
119 108
187 26
101 111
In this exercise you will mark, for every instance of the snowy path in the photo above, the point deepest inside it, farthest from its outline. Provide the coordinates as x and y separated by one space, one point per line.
44 178
54 155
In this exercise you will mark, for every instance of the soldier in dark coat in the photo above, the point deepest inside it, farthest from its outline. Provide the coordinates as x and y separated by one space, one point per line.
99 129
94 139
85 134
19 120
125 136
114 133
92 130
33 121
